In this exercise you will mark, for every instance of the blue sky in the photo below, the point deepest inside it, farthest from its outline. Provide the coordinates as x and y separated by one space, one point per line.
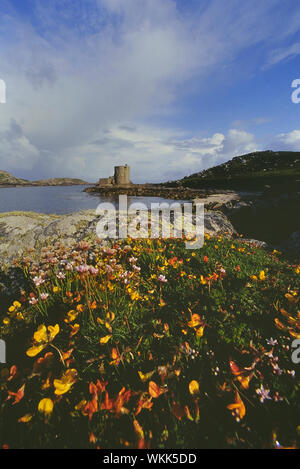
170 87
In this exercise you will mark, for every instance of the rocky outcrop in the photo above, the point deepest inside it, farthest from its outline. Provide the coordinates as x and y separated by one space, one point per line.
155 190
23 232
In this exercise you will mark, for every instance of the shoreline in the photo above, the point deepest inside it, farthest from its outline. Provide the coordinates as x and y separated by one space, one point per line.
145 190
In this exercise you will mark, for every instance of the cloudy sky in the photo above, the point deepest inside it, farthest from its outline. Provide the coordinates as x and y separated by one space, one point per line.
170 87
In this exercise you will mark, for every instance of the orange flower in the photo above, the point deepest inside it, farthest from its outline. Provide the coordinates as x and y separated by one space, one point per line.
17 395
238 408
145 402
195 321
155 390
116 358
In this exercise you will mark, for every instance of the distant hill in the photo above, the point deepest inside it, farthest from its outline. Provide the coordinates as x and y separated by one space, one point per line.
250 171
7 179
60 182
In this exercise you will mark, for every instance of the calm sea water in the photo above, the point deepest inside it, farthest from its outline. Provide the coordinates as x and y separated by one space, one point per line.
58 199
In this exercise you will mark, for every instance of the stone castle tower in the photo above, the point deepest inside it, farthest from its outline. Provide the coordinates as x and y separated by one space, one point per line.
122 175
121 178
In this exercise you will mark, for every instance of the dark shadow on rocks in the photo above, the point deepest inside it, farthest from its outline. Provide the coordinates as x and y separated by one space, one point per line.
12 281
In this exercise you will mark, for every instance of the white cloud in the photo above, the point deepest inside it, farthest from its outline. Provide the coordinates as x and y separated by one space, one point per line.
287 141
284 53
158 154
99 64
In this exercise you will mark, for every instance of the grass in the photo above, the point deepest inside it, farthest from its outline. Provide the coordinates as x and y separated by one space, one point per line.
149 345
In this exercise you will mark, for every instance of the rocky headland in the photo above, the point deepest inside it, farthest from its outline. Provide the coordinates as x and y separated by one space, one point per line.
8 180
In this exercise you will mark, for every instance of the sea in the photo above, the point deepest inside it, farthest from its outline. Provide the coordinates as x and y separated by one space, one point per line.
60 199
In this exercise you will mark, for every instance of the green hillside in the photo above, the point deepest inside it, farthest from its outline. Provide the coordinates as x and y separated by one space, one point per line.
253 170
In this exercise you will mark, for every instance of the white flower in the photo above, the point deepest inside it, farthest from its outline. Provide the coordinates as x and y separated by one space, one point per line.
263 393
271 341
60 276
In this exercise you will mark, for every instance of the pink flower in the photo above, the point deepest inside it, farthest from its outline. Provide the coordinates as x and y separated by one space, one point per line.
82 268
132 260
38 281
44 296
162 279
93 270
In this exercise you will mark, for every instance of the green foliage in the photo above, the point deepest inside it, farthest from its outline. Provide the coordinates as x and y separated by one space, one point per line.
153 345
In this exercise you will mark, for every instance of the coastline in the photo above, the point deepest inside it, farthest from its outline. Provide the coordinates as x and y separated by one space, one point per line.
153 190
38 184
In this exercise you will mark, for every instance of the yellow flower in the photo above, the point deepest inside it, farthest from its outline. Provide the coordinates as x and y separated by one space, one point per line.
200 331
56 289
146 376
41 334
71 316
64 384
291 298
105 339
81 405
110 316
17 304
35 350
253 277
11 309
6 321
297 270
74 329
26 418
42 338
46 406
194 387
53 331
202 280
262 275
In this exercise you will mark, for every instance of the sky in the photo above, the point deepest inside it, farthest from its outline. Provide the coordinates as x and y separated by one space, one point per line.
170 87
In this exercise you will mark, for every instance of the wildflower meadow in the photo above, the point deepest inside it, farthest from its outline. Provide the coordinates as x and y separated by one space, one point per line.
145 344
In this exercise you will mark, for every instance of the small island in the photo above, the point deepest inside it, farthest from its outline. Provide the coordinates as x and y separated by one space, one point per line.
8 180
